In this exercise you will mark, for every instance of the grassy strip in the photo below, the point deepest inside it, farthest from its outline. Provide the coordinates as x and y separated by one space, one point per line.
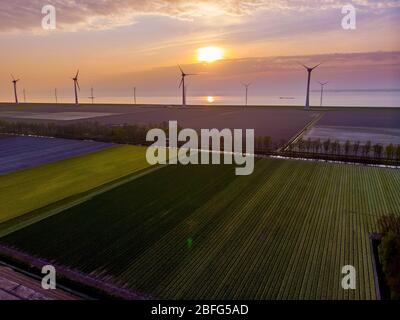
28 190
34 216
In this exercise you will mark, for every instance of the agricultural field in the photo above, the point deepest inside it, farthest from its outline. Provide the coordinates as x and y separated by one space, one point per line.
370 118
27 190
378 127
200 232
17 153
280 123
383 136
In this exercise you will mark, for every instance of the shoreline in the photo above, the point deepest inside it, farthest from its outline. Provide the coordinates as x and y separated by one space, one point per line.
211 106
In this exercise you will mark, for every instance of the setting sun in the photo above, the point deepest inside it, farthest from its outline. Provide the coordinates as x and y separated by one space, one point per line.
210 54
210 99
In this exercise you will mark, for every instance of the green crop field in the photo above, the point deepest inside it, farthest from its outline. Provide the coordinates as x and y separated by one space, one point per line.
31 189
199 232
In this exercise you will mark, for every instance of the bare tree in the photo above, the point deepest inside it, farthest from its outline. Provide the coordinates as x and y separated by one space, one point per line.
368 146
317 145
334 146
300 145
308 145
347 147
378 149
327 145
338 147
356 147
398 152
390 151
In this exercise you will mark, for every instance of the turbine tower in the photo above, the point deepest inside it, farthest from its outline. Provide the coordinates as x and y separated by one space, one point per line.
55 95
76 87
14 81
182 84
246 85
323 84
91 95
24 95
309 70
134 95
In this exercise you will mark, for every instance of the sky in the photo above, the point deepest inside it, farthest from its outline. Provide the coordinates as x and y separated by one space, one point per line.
118 44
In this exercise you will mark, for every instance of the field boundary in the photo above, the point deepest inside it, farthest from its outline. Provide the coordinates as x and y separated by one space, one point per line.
74 279
299 134
34 276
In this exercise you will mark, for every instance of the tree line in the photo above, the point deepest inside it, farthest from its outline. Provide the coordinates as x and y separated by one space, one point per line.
136 134
389 253
357 149
121 134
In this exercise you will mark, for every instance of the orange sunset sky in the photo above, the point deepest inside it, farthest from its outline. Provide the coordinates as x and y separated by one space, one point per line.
119 44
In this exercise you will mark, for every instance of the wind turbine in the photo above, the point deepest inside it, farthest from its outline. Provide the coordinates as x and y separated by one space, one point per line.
91 96
182 84
246 85
55 95
14 81
24 95
134 95
309 70
76 87
323 84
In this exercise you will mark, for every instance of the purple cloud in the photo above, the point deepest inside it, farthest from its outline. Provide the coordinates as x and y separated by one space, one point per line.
105 14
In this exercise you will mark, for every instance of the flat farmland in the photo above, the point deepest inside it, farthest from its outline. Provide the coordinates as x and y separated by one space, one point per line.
281 123
367 118
384 136
200 232
378 126
27 190
17 153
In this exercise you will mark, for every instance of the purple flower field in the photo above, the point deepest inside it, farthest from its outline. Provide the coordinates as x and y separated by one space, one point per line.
362 118
17 153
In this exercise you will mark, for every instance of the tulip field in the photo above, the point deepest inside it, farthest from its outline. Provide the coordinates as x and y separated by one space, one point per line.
200 232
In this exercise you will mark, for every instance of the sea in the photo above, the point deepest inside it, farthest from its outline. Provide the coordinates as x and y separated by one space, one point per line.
343 98
389 99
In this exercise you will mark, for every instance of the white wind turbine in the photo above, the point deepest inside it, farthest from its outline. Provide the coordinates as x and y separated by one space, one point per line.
309 71
14 81
76 87
246 85
323 84
183 86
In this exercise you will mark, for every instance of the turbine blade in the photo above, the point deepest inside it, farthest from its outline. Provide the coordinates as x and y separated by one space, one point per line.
77 83
77 74
181 70
303 65
180 85
316 66
12 77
